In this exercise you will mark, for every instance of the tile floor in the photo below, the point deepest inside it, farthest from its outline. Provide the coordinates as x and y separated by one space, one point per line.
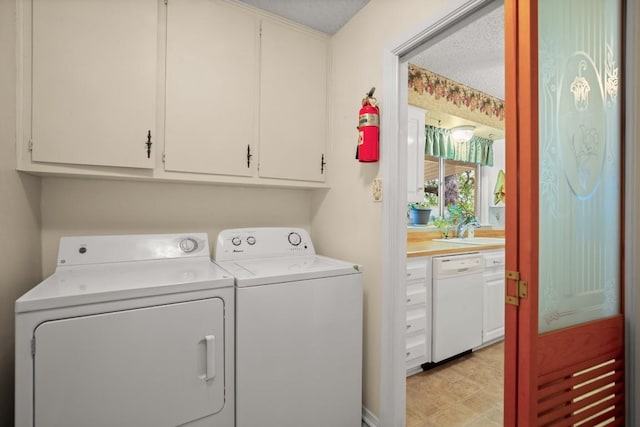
464 392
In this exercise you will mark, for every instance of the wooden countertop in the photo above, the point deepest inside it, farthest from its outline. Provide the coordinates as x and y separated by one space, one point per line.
442 248
421 243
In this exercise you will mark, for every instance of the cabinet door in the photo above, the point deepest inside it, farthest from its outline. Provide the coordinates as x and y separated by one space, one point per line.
156 366
293 103
493 322
415 152
94 81
212 88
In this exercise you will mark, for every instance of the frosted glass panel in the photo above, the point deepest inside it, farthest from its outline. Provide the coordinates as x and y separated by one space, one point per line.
579 95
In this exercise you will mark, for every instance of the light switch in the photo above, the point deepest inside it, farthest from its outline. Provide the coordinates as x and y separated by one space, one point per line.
376 189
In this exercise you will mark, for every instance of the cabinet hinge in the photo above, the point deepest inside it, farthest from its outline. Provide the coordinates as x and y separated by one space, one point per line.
522 288
33 347
322 164
163 157
249 156
31 145
166 2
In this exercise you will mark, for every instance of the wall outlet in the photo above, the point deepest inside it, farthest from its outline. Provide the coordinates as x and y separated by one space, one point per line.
376 189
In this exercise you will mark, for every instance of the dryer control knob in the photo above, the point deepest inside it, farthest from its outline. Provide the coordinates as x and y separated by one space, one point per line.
236 241
251 240
188 245
294 238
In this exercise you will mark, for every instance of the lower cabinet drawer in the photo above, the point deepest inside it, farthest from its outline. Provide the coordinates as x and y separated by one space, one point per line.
416 351
416 294
416 320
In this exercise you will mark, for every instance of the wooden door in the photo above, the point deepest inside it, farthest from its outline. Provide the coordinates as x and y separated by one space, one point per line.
564 346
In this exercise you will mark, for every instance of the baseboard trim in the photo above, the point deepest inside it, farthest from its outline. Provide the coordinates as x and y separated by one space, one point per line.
368 418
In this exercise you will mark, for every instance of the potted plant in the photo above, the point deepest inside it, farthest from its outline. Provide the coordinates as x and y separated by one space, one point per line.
419 213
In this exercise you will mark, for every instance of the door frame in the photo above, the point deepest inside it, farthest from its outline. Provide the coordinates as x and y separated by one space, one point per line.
631 130
394 232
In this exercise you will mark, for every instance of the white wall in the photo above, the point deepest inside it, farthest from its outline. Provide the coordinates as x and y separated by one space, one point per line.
19 214
346 222
94 207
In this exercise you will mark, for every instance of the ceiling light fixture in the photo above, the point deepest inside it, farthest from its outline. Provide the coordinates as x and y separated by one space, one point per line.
462 133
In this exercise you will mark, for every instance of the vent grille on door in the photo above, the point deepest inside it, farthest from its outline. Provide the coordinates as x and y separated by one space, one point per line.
589 391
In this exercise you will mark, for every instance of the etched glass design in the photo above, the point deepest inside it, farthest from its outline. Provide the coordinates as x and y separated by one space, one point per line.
580 150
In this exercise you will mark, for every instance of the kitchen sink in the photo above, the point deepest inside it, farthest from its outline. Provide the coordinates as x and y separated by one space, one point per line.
474 240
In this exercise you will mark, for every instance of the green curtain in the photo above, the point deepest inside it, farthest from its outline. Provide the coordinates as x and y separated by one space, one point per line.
439 143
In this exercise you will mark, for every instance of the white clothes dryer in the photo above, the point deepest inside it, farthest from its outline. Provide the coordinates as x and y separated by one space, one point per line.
133 330
298 330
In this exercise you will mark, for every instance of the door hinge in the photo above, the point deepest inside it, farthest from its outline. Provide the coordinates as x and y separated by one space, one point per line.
522 288
33 347
30 144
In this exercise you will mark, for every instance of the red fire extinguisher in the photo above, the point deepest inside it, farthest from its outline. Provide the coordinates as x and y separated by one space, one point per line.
369 130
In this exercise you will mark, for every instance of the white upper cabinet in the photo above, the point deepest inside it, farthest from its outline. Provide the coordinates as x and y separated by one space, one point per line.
415 153
212 88
94 66
293 103
227 93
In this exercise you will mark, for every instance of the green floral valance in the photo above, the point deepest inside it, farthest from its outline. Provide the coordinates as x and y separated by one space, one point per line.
439 143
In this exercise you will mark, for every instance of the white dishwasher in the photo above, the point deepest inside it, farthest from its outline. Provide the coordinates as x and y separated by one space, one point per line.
457 304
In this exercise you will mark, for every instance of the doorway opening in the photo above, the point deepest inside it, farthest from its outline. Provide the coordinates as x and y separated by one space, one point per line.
457 82
393 357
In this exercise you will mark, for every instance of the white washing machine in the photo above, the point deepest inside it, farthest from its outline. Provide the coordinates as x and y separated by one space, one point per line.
298 330
131 330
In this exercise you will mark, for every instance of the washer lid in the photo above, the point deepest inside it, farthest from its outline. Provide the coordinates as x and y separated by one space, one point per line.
264 271
90 284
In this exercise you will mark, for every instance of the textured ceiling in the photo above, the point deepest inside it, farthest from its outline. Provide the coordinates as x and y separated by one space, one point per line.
327 16
472 55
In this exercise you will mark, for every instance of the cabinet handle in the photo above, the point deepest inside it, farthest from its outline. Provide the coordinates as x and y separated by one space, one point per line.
408 327
408 274
148 144
408 300
408 353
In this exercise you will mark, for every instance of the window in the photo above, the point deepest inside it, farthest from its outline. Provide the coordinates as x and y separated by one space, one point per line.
450 182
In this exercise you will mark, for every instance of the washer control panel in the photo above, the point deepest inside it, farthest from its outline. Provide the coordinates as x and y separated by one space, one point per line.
262 242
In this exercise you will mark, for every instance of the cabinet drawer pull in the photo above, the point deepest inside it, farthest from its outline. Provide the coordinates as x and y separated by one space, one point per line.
408 353
408 327
408 274
408 300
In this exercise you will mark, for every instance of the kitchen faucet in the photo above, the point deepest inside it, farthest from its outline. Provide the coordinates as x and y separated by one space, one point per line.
464 225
